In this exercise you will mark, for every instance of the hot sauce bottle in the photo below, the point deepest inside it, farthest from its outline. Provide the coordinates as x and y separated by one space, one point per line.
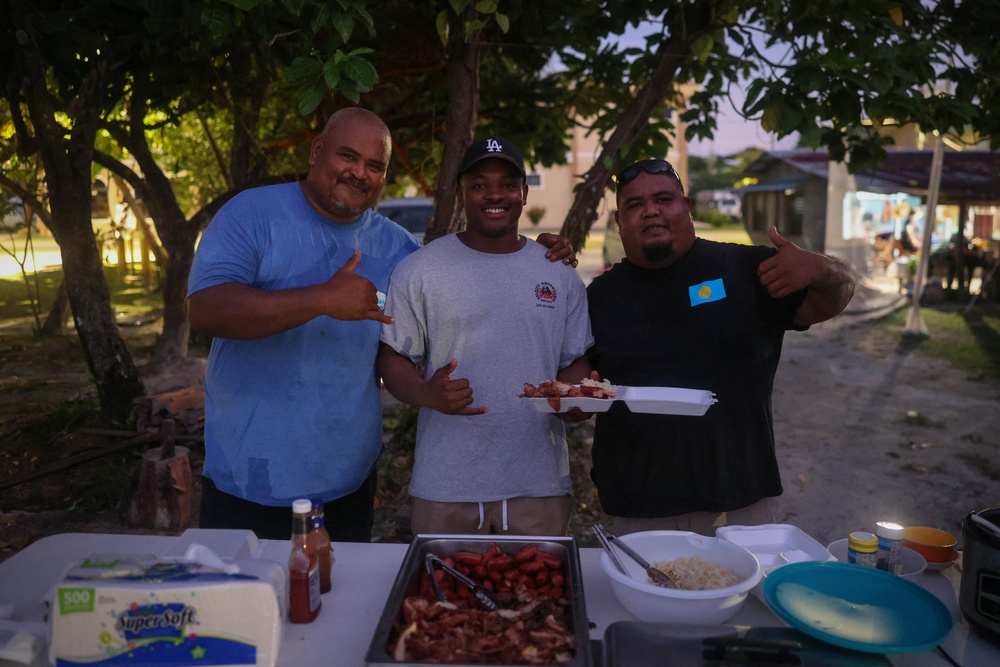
303 569
319 540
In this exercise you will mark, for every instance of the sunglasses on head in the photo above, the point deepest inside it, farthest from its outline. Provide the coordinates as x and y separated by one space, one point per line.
628 174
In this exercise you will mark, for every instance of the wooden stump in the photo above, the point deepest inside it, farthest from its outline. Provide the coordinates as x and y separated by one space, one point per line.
162 500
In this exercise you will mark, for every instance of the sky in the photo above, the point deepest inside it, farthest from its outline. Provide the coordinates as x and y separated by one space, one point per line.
733 132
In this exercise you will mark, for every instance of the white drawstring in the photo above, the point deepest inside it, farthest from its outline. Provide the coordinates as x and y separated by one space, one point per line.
482 516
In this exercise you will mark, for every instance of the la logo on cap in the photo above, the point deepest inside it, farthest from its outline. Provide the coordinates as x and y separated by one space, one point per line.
493 146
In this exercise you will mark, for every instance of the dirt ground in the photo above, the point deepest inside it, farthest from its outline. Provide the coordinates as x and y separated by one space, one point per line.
868 429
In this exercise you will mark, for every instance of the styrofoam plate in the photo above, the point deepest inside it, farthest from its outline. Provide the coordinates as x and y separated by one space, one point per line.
650 400
567 404
667 400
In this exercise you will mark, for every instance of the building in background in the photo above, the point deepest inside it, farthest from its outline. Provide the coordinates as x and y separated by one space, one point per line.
818 205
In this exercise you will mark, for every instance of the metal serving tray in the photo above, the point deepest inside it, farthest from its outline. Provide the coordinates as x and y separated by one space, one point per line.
408 583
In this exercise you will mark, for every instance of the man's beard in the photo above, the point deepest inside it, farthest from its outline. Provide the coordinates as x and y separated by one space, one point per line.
657 252
343 207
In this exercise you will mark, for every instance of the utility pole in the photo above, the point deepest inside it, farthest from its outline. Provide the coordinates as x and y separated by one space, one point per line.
915 325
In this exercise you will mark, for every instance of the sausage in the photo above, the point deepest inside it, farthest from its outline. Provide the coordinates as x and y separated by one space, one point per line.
551 561
526 554
468 558
532 566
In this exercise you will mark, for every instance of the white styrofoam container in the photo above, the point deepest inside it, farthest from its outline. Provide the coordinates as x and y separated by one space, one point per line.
774 545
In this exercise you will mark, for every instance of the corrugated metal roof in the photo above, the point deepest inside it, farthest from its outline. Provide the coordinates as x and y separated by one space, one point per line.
965 176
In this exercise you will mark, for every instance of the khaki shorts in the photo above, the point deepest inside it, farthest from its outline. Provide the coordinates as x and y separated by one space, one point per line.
704 523
524 516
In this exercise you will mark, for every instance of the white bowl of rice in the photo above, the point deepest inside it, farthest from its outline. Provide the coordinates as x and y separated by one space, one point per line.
714 575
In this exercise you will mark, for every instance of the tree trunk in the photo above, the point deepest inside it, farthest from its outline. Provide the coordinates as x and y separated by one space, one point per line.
635 116
462 71
55 323
109 360
67 156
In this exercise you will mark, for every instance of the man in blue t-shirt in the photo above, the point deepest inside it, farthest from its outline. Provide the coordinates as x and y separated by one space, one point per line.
287 280
681 311
290 281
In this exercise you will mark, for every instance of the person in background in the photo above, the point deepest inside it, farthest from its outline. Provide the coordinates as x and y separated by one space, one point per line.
909 241
682 311
477 315
289 281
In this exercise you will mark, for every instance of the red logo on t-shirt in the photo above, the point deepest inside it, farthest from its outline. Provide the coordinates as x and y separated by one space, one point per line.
545 292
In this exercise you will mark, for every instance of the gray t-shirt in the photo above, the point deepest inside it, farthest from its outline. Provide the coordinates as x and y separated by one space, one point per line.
508 319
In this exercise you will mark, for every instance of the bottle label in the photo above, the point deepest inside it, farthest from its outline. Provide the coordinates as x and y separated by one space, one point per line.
314 599
868 559
890 555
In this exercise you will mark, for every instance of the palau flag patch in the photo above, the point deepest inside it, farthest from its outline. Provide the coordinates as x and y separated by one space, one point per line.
707 292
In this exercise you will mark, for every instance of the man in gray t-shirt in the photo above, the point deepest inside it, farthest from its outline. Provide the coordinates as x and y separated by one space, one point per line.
477 315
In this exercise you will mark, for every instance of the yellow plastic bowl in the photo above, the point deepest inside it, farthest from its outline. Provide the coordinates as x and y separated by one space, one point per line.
937 546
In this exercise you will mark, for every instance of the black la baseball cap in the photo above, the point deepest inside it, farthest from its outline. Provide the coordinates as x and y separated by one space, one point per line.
492 147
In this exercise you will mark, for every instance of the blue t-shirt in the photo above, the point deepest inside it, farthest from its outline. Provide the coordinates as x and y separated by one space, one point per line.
297 414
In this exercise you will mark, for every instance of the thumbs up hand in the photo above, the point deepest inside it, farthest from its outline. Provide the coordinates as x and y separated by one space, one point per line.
348 296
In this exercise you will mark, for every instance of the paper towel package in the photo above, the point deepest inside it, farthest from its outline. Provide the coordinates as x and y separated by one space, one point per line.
127 610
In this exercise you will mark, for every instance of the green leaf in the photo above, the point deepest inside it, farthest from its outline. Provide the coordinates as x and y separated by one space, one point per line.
365 17
217 21
702 46
310 97
331 74
322 17
753 92
361 72
471 27
442 27
303 69
503 22
294 6
458 6
344 25
769 121
486 6
351 94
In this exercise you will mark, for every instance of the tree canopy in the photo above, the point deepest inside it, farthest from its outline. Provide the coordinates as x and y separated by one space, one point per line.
196 100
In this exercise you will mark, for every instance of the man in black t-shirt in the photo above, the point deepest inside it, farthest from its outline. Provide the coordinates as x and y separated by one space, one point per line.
681 311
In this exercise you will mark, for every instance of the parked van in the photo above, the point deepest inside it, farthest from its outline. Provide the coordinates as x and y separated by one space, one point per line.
725 202
411 213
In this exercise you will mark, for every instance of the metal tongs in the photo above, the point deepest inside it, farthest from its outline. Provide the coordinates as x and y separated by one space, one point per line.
484 595
659 577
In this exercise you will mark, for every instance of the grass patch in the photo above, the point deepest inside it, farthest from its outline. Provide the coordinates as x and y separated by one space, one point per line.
970 342
128 294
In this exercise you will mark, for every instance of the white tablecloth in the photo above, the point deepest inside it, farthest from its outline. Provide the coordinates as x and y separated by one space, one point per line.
362 578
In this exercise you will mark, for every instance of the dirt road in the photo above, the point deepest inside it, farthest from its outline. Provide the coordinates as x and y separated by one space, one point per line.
869 429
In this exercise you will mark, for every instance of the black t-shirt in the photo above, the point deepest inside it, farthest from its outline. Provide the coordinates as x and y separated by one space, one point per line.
705 322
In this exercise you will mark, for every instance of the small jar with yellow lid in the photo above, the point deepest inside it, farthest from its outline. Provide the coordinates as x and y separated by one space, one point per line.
862 548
